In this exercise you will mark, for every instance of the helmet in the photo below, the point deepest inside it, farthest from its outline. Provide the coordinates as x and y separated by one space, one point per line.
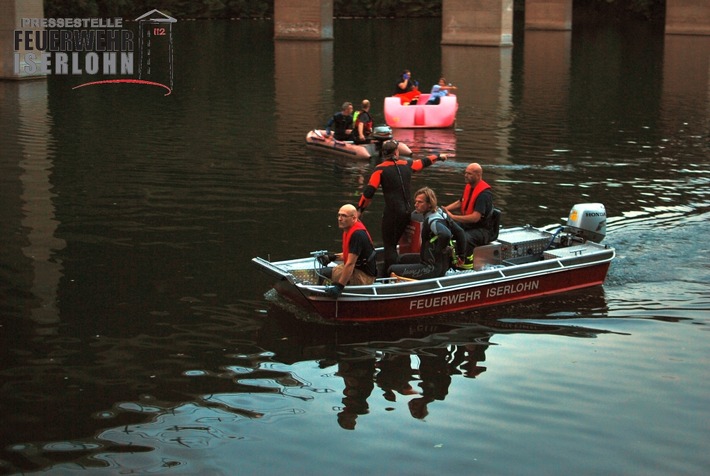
389 147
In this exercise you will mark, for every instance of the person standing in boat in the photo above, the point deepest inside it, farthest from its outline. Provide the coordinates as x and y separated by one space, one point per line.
341 124
473 211
435 257
358 256
362 125
394 175
407 89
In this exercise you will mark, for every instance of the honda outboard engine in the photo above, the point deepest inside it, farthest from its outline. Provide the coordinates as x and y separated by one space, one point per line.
587 221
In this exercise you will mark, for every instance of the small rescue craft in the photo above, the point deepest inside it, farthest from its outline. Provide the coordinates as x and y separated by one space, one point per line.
421 115
318 140
522 263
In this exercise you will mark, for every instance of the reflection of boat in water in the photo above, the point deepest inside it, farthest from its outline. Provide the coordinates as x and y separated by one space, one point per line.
421 115
439 140
294 339
523 263
318 140
413 363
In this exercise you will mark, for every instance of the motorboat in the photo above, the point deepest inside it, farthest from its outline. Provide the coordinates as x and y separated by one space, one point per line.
318 139
421 115
522 263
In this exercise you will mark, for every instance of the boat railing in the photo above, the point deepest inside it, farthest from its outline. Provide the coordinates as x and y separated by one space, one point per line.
466 279
550 261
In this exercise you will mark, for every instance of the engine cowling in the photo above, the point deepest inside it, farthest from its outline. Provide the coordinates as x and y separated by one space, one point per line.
588 221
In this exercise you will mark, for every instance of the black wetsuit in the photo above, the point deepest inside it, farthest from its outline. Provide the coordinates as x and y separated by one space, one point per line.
394 175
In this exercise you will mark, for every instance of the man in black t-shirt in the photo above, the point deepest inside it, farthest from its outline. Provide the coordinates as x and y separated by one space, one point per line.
358 256
362 127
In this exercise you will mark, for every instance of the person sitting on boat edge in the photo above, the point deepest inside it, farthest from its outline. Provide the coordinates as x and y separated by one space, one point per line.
362 125
341 124
473 211
358 256
438 91
407 89
438 230
394 174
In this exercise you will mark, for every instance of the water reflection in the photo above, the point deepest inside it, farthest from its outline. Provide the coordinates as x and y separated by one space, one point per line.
483 77
405 366
415 362
303 75
30 252
39 210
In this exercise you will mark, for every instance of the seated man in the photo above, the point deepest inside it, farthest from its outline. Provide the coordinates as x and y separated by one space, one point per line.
474 210
435 257
358 256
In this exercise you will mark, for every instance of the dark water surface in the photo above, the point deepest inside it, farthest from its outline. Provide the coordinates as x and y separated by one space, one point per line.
135 336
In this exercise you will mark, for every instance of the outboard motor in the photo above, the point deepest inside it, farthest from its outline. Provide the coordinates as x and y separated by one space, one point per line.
587 221
381 133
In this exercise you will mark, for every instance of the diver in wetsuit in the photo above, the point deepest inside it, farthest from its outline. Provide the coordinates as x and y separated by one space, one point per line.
394 175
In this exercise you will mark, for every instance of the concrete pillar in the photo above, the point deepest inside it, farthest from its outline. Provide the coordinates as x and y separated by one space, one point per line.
301 20
688 17
477 22
13 11
548 14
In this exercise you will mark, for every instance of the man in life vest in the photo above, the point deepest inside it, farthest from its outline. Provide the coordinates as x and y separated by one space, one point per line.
394 175
473 211
341 124
362 127
438 230
358 256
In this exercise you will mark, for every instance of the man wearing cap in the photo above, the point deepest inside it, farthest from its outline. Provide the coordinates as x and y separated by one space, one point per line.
394 175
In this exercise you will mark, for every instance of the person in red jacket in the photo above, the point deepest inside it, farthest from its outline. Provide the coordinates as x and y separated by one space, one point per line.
394 175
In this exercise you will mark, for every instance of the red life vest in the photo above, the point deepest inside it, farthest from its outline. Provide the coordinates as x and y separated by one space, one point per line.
470 194
346 238
367 126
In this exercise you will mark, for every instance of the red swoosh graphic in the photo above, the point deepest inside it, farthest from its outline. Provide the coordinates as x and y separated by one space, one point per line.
134 81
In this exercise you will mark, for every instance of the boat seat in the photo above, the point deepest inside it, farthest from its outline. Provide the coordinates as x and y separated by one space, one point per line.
494 225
